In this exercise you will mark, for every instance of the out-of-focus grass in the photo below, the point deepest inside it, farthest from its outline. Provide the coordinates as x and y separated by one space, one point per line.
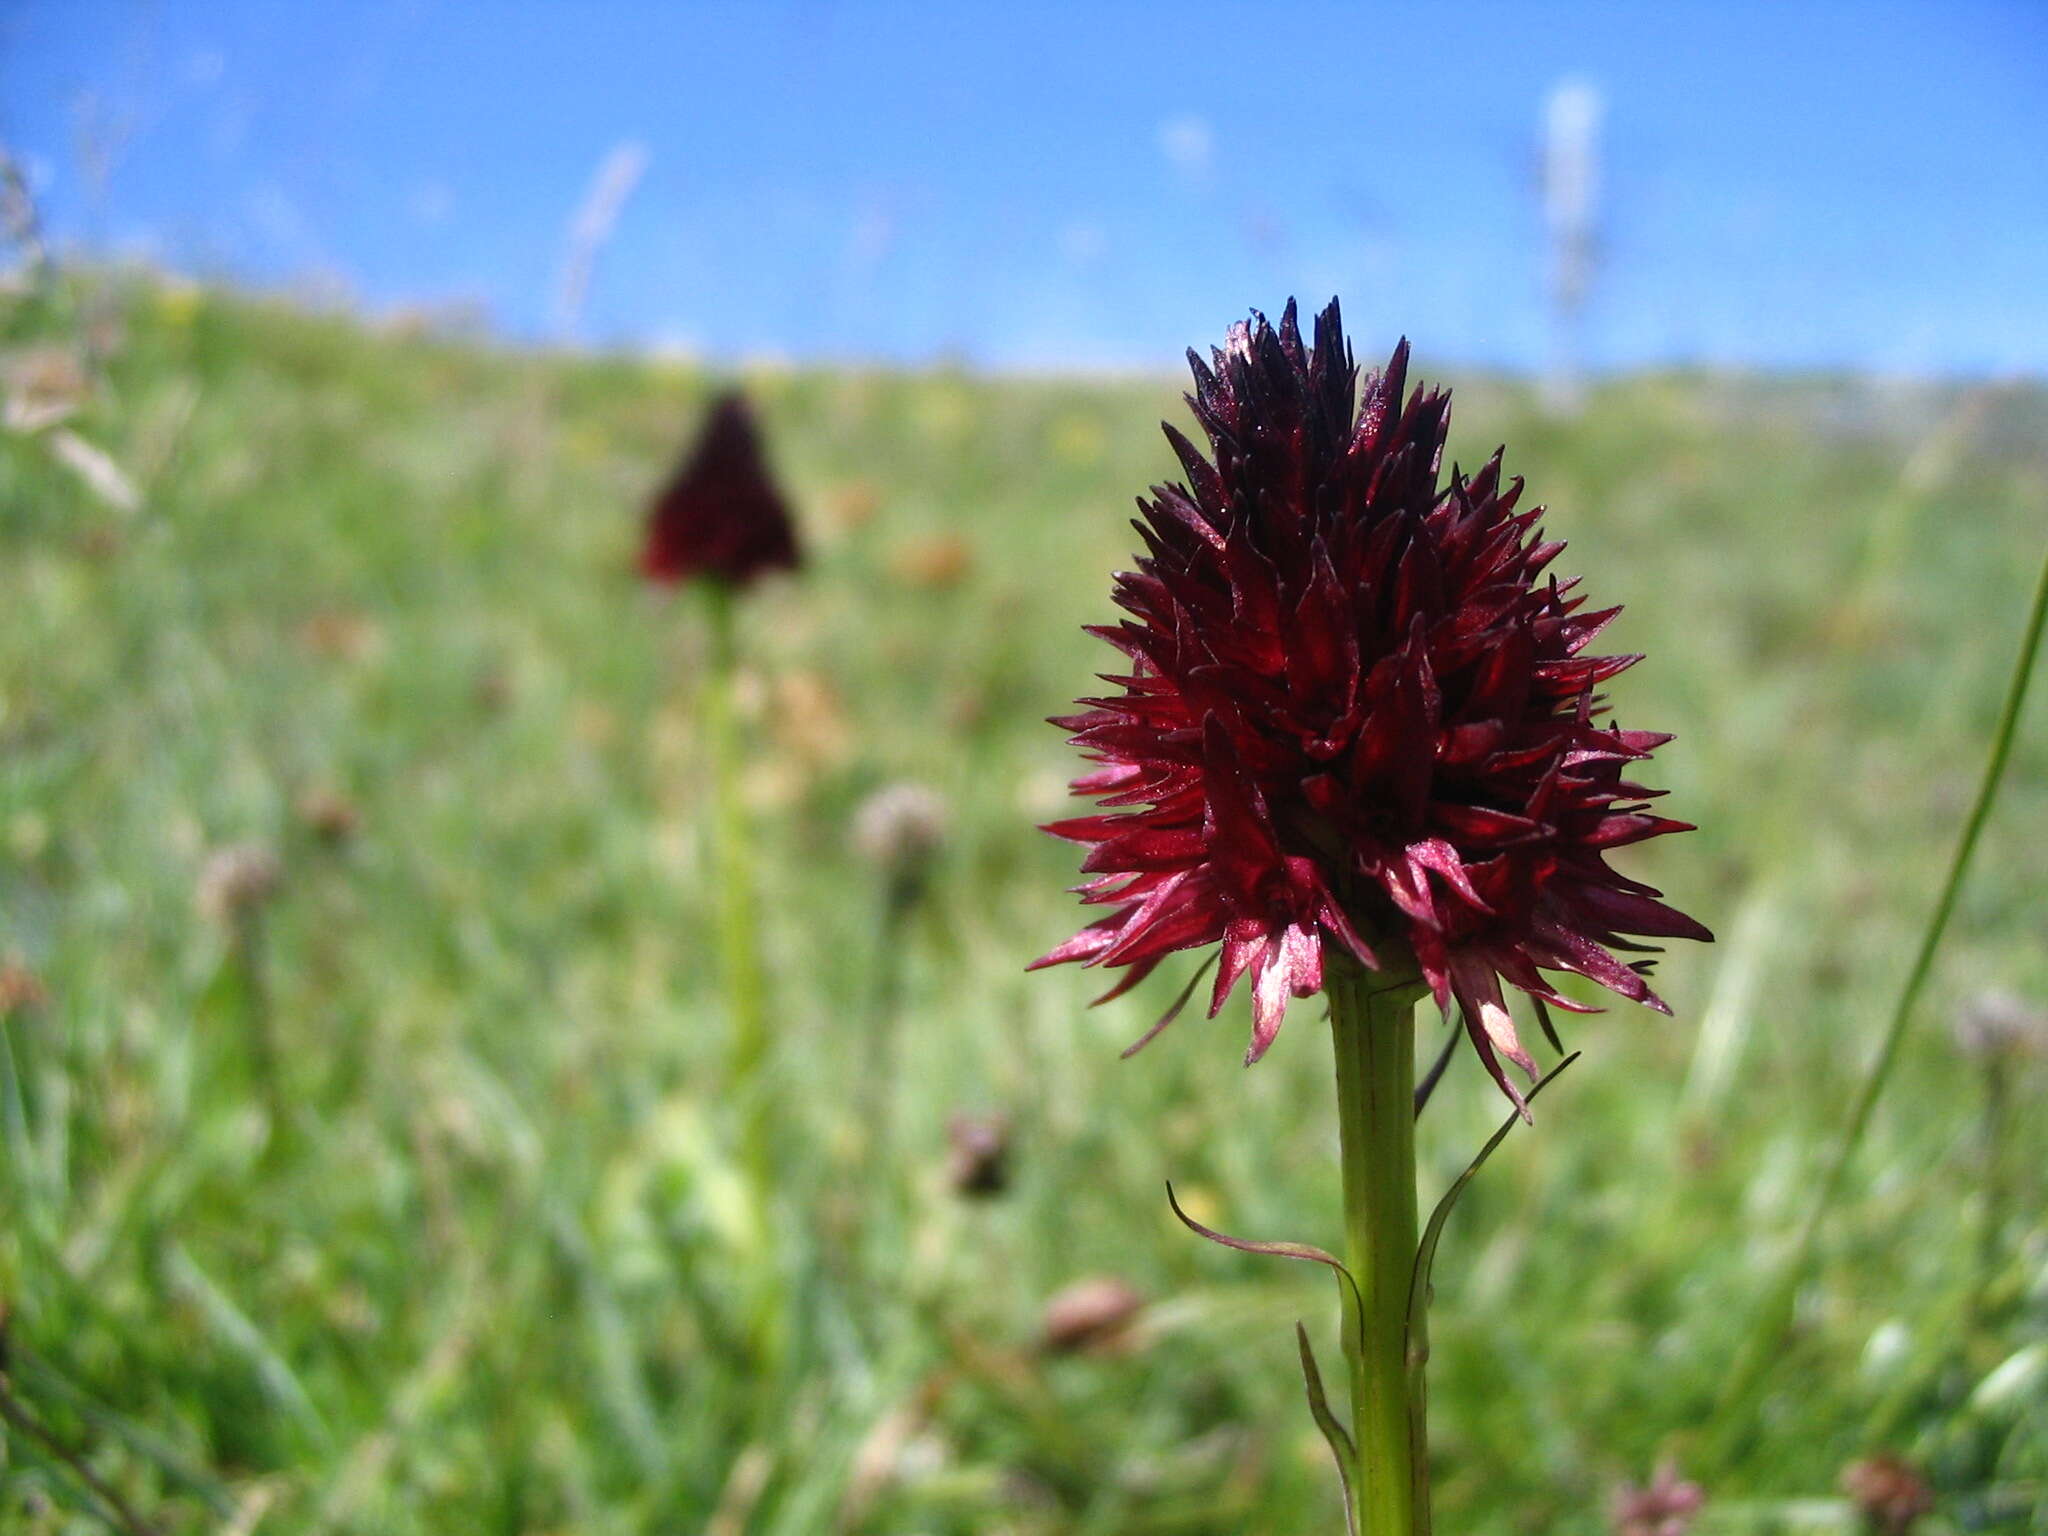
493 1270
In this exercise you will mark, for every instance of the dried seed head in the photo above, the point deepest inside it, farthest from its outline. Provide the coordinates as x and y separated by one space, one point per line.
1889 1492
901 827
329 815
493 690
935 563
1094 1315
1997 1026
978 1165
236 880
41 387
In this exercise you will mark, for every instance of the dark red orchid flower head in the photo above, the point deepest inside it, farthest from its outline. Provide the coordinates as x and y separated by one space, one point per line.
1356 712
721 515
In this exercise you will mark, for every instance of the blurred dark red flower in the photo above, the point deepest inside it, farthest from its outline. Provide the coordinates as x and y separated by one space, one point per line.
1356 712
978 1159
20 988
721 515
1888 1492
1667 1507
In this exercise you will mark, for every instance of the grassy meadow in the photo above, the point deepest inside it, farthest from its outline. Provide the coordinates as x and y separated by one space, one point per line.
402 1196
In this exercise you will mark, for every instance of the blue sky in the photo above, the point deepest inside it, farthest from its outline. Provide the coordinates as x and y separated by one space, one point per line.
1091 185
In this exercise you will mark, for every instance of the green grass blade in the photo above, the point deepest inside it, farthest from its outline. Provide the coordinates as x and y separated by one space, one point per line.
33 1369
238 1332
14 1131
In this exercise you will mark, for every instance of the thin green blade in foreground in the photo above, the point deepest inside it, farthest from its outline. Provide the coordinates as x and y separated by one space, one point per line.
1745 1382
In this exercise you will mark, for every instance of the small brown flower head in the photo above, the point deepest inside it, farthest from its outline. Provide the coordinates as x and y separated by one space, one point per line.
493 690
41 386
237 880
1355 712
936 563
721 515
978 1161
1665 1508
1095 1315
1998 1026
1889 1492
329 815
341 635
852 506
900 829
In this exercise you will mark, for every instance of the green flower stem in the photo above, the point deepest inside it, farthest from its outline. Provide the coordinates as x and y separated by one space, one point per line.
1991 1212
248 953
1774 1321
739 953
877 1095
1374 1027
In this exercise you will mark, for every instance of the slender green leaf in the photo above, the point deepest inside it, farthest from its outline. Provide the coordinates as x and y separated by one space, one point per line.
1333 1432
234 1328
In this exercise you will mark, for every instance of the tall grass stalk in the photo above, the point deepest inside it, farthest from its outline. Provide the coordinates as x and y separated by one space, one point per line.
1774 1320
745 997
